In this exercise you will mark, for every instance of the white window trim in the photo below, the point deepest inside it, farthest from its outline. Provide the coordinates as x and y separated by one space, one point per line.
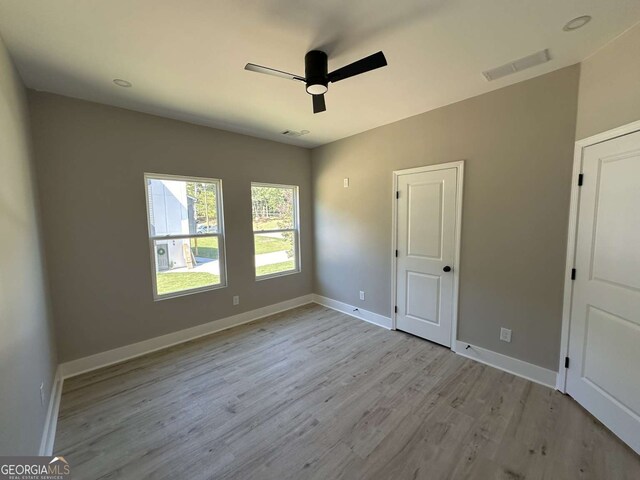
220 235
296 230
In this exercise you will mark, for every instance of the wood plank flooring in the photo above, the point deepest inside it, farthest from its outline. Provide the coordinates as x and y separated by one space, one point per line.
315 394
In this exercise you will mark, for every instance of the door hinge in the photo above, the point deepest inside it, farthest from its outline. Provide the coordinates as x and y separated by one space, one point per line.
566 362
573 274
395 309
397 193
580 179
396 253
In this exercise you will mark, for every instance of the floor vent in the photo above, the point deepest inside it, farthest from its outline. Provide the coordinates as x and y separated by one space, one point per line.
518 65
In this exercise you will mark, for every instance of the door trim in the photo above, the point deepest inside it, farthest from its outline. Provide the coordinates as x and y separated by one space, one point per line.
459 166
580 146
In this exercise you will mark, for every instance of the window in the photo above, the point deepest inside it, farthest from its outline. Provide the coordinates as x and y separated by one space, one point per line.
275 229
186 234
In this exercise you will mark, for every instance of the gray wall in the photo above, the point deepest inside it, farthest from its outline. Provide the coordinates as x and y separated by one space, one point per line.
610 86
27 354
518 144
90 163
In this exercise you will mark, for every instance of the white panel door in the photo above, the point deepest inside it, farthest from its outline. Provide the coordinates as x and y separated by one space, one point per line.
426 225
604 338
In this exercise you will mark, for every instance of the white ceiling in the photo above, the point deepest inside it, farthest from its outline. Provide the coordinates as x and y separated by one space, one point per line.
185 58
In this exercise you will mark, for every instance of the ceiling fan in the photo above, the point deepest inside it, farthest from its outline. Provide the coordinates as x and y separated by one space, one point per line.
316 73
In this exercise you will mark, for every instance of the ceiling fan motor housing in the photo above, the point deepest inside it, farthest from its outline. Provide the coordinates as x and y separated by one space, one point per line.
316 72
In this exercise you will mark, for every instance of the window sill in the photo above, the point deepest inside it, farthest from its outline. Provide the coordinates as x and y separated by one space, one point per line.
276 275
184 293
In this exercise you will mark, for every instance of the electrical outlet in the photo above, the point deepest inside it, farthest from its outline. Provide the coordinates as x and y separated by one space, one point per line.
345 182
42 393
236 300
361 295
505 335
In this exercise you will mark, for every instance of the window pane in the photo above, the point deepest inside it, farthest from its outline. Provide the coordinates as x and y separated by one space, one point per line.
272 207
178 207
205 209
275 253
186 264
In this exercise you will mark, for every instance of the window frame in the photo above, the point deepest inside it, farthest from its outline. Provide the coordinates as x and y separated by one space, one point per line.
220 235
295 230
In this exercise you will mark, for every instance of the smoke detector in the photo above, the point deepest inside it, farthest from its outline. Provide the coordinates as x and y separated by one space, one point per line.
523 63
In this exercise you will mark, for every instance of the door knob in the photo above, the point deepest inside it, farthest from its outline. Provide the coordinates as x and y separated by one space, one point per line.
446 269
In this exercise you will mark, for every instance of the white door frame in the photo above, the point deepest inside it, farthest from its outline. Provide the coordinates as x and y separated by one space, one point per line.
572 237
459 166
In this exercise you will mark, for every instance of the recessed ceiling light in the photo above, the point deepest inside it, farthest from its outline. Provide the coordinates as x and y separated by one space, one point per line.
577 23
121 83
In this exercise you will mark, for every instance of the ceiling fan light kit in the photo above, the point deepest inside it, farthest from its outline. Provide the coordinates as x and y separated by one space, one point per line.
316 72
317 76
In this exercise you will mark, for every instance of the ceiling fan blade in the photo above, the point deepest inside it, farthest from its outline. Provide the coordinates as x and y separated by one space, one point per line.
363 65
252 67
318 103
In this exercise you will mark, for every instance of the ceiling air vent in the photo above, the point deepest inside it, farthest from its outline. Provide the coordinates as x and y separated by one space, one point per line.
518 65
293 133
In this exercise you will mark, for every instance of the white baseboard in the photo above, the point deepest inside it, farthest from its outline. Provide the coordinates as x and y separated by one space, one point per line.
512 365
120 354
51 421
357 312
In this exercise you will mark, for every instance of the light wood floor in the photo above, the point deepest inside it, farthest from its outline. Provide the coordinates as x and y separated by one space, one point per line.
315 394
